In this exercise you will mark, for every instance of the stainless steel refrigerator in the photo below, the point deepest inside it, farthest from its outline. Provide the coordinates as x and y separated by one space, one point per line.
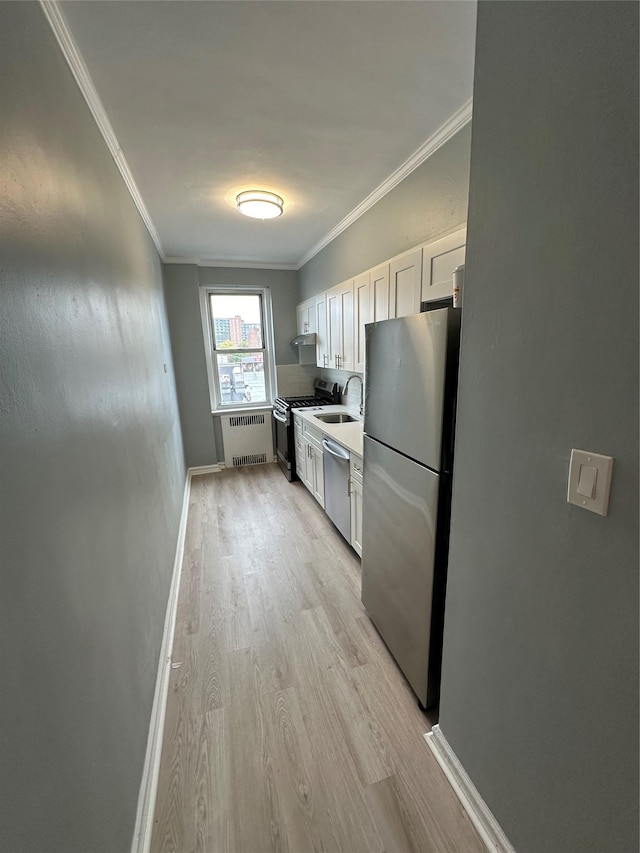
410 387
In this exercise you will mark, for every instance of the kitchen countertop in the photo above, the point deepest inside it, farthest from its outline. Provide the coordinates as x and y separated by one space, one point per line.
348 435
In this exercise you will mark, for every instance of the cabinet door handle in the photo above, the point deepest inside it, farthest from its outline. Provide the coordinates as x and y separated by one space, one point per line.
349 487
325 358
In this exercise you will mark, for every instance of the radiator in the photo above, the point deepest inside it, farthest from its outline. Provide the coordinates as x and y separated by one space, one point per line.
247 439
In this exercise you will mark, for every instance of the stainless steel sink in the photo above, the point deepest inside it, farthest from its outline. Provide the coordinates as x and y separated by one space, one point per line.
336 418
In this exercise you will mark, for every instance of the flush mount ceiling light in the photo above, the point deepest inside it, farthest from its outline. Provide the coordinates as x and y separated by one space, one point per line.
259 204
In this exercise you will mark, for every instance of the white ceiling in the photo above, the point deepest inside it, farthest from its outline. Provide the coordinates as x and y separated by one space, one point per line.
320 102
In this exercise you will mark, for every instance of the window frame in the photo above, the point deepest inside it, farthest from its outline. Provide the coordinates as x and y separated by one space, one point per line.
218 406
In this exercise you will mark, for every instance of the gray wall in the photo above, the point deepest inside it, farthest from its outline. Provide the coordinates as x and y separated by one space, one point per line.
540 671
428 203
201 431
91 468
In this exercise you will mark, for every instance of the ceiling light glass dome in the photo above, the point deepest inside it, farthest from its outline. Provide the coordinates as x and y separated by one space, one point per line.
260 204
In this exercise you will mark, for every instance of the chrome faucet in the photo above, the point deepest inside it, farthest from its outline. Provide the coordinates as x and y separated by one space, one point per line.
346 385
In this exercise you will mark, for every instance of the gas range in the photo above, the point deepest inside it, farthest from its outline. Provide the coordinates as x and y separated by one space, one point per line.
326 393
284 404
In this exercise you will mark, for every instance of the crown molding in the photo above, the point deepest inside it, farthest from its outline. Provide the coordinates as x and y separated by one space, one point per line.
249 265
431 145
76 63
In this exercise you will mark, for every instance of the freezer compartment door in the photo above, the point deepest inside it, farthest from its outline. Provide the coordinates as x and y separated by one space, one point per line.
400 503
405 384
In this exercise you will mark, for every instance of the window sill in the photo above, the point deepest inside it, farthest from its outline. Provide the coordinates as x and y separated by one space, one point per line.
239 410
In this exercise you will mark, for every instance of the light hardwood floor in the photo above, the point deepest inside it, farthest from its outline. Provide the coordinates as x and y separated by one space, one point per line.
288 726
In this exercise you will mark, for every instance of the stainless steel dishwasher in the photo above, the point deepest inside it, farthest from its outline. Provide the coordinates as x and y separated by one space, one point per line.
337 502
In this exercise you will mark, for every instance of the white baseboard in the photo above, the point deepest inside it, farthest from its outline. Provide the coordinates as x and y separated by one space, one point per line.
149 784
479 812
206 469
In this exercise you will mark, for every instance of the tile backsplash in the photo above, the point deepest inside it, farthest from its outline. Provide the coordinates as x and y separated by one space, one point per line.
352 399
297 379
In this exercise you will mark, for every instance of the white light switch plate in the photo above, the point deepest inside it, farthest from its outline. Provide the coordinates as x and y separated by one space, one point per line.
590 474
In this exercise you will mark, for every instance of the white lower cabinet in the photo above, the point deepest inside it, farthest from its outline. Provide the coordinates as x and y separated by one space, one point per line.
317 474
300 449
356 472
312 472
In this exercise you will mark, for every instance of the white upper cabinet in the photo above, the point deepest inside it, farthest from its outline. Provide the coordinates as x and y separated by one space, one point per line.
362 315
340 319
306 314
300 319
320 308
347 360
334 320
404 284
439 259
379 278
394 289
312 319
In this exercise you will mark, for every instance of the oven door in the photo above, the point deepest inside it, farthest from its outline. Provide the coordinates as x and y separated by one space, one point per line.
284 442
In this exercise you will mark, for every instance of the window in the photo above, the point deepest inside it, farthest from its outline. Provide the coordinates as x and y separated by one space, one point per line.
239 342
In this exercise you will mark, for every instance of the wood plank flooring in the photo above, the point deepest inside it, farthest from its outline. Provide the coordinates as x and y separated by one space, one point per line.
288 725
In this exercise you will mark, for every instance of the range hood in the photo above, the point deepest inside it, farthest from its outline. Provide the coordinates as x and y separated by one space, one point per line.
304 340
